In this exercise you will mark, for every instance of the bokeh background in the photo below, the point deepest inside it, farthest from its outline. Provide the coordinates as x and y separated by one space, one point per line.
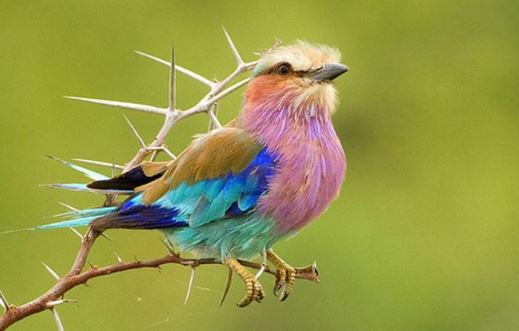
425 233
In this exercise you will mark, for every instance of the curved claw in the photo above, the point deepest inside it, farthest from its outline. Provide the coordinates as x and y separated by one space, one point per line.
260 294
290 279
281 275
254 290
277 286
285 276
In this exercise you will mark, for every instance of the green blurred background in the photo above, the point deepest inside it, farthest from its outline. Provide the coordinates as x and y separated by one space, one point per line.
424 235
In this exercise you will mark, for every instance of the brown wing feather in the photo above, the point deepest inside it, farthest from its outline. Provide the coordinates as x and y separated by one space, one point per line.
212 155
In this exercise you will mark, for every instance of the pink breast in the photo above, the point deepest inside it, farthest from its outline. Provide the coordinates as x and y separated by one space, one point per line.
310 173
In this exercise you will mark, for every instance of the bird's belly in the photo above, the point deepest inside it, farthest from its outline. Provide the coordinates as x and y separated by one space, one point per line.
242 237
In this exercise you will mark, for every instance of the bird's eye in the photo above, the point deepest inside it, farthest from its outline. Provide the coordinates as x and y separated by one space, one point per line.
284 69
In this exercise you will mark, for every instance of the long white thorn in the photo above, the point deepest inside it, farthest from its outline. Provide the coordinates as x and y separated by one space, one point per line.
122 104
135 132
76 232
59 324
69 207
55 303
104 235
169 246
101 163
154 155
180 69
166 150
263 266
215 123
227 286
204 106
213 110
118 257
172 81
162 148
154 58
51 272
234 50
190 285
228 90
4 302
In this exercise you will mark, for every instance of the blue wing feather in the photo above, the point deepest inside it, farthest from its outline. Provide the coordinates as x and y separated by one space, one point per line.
214 187
232 195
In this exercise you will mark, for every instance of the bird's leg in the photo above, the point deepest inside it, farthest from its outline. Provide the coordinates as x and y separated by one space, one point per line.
286 274
253 286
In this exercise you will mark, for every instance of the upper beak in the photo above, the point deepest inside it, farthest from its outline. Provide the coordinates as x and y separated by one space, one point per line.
329 71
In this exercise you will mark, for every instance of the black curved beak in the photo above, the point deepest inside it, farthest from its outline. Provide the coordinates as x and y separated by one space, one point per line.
329 72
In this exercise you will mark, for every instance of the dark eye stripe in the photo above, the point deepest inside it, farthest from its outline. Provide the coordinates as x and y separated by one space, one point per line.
274 70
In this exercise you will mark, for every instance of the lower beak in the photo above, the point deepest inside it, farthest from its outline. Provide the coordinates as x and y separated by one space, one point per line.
329 72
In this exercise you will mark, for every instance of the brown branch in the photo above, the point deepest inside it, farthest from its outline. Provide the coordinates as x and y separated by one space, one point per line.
76 276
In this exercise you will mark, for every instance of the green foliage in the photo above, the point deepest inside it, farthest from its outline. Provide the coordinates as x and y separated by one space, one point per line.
424 234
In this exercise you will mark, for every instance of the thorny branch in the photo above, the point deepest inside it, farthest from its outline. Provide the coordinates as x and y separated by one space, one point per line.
78 274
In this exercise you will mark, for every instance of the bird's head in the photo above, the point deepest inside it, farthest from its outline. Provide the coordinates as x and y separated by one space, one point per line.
296 78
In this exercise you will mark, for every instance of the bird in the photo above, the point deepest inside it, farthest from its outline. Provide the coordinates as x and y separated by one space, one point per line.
237 190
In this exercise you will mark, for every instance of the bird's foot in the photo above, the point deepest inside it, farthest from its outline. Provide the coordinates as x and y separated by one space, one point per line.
285 275
254 290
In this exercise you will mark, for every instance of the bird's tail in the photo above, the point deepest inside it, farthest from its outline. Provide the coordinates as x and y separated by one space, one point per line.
92 175
77 218
123 184
71 219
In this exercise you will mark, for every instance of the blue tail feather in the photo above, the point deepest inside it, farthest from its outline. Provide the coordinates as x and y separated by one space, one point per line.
85 212
82 218
85 188
87 172
83 221
87 216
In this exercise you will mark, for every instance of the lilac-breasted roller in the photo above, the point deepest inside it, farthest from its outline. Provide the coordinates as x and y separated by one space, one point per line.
235 191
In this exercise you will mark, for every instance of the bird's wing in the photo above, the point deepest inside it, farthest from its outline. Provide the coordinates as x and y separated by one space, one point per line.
220 175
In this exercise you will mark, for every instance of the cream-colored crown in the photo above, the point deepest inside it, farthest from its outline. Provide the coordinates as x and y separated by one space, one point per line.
301 55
